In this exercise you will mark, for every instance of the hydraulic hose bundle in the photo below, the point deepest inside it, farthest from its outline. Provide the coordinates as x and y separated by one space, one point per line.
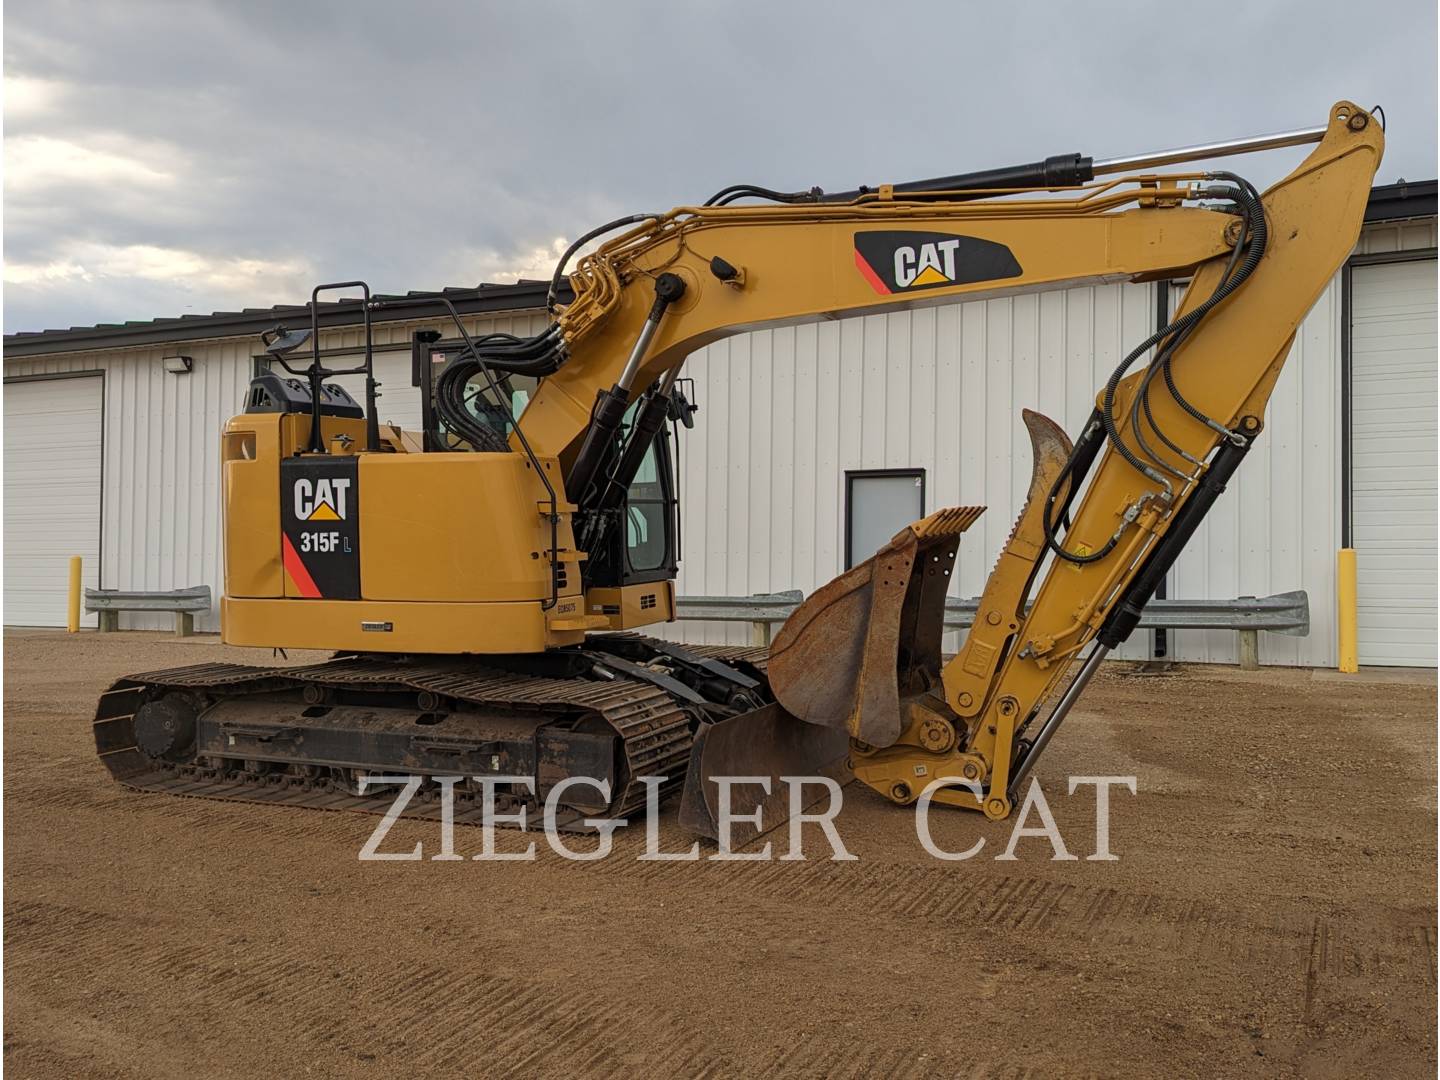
533 356
1248 251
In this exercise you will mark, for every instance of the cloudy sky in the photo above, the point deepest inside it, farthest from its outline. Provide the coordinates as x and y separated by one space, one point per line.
163 158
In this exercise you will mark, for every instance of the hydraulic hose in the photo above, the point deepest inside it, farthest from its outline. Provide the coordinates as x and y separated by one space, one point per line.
450 403
1163 356
1259 237
725 196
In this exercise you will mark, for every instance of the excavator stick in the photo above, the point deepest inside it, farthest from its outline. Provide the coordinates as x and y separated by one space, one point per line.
1002 607
856 646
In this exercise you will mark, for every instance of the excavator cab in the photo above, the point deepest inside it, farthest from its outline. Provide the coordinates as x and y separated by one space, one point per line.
642 543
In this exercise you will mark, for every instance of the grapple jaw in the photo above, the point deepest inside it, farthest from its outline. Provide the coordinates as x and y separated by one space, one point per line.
871 636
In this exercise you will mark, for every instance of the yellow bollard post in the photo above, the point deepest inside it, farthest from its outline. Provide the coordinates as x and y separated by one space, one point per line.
73 622
1349 619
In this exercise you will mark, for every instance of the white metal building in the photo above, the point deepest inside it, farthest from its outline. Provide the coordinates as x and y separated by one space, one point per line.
802 432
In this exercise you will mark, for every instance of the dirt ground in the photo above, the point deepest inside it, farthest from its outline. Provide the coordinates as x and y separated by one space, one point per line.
1272 913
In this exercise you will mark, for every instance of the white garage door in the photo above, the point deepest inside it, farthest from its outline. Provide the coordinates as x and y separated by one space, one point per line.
52 495
1394 473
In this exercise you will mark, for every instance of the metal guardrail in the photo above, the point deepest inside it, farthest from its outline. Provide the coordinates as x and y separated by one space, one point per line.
183 602
760 608
1283 613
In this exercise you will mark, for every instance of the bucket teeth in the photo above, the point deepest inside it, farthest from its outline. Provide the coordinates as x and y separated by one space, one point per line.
945 523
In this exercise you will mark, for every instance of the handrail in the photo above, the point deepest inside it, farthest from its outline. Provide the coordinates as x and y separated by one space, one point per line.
317 373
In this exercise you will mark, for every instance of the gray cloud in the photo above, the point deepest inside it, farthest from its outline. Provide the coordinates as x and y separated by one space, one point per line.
172 157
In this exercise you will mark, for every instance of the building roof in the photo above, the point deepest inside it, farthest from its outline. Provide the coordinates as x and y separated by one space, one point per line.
1388 202
479 300
1405 199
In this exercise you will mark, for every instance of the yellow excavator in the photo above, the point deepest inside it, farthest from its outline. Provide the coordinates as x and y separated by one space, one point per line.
481 582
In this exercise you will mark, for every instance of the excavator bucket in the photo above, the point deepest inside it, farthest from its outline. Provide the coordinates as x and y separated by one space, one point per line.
766 742
851 653
856 646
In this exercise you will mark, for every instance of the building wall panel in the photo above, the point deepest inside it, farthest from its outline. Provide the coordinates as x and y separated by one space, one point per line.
786 412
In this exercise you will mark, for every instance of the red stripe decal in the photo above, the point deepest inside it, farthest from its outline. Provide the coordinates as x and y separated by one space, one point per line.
295 567
870 275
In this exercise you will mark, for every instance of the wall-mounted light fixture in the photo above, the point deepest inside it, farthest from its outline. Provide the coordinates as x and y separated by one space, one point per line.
178 365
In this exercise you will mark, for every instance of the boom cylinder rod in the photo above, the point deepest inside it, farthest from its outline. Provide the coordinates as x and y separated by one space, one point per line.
668 289
610 405
1052 722
1200 151
637 354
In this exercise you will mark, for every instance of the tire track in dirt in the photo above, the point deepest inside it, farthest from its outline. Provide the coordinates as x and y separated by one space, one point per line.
244 940
819 1057
1310 946
443 1020
1331 956
195 815
65 798
1120 917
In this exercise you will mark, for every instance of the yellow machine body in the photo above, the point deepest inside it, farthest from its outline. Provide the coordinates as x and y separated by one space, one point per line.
423 521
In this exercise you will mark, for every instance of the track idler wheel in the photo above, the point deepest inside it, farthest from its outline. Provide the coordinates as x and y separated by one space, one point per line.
165 727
